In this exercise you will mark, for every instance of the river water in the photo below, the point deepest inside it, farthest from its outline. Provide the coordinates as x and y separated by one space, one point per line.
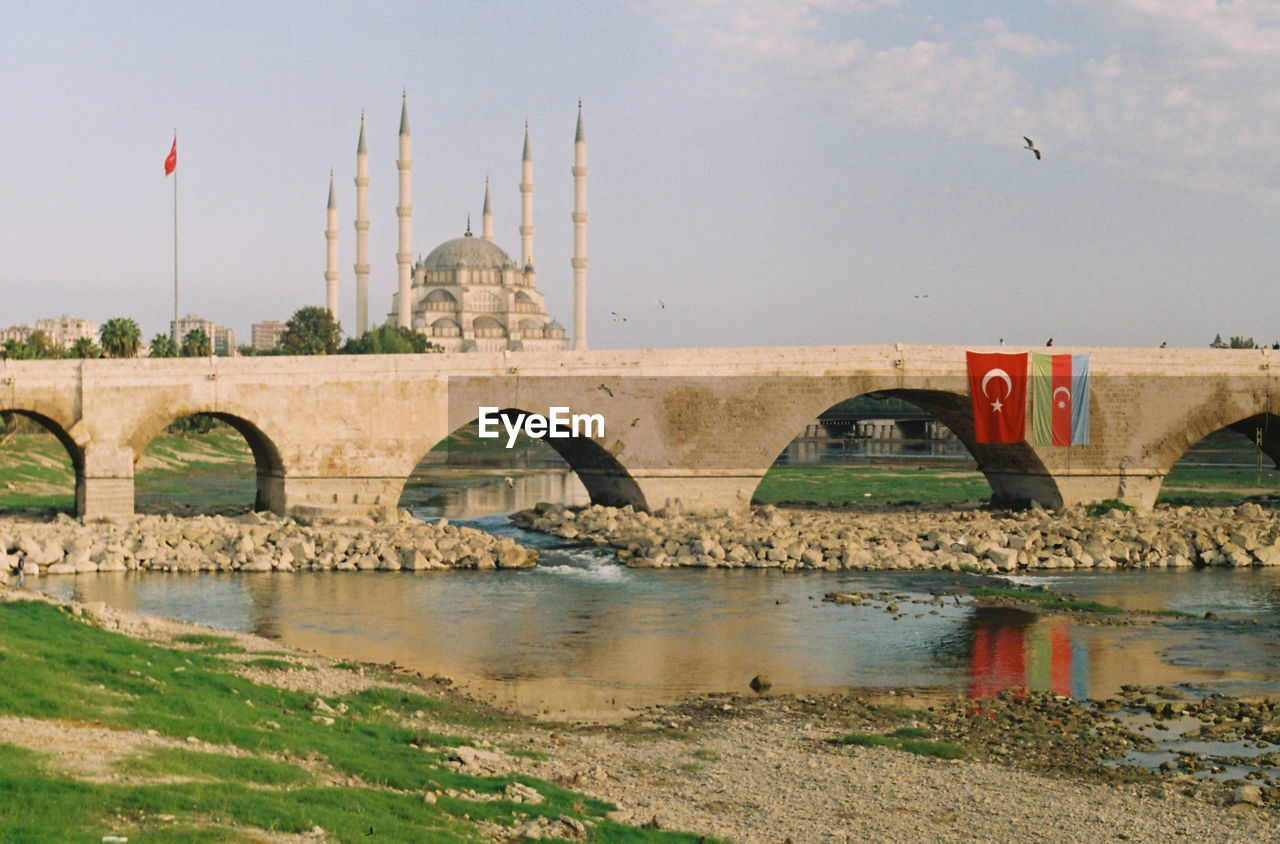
581 636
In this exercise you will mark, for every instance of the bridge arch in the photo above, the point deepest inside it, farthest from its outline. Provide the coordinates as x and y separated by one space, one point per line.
268 463
606 480
1014 471
75 452
1261 430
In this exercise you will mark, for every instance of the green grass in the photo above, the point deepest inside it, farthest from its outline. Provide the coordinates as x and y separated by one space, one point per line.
58 666
1100 508
836 484
1044 600
214 767
209 643
918 746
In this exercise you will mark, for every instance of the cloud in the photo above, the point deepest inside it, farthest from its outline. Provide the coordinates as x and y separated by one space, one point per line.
1177 91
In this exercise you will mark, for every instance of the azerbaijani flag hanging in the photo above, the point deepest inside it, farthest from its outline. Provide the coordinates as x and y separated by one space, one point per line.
1059 399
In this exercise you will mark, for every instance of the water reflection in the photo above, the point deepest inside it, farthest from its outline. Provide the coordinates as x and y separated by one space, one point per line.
438 495
1013 649
581 636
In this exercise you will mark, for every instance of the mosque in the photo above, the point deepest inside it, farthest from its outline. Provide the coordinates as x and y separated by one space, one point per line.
467 294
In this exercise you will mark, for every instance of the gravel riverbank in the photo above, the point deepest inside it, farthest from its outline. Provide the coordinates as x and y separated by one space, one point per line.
759 768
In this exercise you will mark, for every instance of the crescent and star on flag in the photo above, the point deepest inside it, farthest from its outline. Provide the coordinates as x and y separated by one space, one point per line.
998 374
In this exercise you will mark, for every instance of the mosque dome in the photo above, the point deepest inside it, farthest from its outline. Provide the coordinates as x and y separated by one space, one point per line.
467 251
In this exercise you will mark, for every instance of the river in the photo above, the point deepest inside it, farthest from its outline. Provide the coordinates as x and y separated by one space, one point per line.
580 636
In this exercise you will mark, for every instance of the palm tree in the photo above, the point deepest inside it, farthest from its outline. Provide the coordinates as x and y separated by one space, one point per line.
162 346
120 337
196 344
84 347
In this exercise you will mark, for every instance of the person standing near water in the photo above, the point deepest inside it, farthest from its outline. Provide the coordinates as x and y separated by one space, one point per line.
22 567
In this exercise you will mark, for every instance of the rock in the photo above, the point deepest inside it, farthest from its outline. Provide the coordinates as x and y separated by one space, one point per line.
1248 794
1006 559
760 683
1267 555
520 793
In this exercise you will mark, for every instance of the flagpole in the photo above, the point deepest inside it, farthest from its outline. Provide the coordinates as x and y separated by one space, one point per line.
174 331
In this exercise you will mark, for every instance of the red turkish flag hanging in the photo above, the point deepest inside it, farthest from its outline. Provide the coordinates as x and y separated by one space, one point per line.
998 388
171 160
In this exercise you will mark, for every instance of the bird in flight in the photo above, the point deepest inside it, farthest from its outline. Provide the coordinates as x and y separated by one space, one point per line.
1032 146
661 304
922 295
510 481
617 317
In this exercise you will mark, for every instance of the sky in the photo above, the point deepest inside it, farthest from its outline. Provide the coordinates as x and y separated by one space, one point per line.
777 172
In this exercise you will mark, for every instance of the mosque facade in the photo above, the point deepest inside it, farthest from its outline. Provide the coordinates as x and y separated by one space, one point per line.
467 294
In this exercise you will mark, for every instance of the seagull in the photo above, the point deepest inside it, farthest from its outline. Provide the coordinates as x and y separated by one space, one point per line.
606 389
617 317
1032 146
922 295
510 482
1050 343
661 304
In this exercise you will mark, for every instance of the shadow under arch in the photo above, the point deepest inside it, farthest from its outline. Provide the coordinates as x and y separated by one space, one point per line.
607 481
1014 472
1260 432
268 465
74 450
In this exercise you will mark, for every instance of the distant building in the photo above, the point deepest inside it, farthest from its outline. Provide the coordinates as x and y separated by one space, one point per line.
223 339
66 330
20 333
1219 343
266 334
468 294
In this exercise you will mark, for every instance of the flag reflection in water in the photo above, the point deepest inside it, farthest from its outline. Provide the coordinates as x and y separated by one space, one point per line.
1018 650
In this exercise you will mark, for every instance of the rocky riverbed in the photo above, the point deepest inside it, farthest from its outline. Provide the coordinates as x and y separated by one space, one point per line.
878 537
252 542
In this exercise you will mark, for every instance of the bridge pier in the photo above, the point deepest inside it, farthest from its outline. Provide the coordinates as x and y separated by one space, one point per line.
320 498
703 493
104 497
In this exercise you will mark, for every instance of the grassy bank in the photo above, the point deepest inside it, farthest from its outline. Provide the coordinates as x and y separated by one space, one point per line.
837 484
200 753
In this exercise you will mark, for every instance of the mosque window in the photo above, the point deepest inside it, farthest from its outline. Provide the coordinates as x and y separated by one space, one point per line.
525 304
445 327
487 326
441 300
483 301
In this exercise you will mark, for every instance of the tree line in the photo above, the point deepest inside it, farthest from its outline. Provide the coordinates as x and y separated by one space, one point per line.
310 331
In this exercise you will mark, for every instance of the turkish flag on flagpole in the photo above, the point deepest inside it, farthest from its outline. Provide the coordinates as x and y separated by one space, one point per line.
998 388
171 160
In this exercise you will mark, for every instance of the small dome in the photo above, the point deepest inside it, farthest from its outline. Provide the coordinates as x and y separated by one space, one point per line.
554 325
466 252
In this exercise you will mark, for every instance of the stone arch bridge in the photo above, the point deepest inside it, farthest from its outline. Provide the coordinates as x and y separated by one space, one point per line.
338 435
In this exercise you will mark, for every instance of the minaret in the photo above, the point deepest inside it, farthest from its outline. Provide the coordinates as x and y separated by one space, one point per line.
331 264
362 234
488 213
579 260
404 256
526 204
